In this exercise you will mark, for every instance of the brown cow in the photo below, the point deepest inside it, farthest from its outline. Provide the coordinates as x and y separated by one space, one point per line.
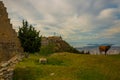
104 49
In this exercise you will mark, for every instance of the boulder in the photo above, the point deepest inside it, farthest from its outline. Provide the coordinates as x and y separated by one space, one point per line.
43 60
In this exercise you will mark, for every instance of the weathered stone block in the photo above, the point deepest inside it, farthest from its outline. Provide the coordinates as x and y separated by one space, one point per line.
43 60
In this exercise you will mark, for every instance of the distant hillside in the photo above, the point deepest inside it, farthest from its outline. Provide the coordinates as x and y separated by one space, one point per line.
57 44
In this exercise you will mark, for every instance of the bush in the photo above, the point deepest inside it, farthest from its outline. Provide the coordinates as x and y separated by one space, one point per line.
29 38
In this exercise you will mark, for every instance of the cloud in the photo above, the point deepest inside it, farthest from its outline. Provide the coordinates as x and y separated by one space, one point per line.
110 13
84 21
111 32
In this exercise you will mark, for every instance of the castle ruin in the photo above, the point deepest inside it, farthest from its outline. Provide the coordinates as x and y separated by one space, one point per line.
9 43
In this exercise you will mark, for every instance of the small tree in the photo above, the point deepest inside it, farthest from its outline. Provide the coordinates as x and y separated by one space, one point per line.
29 38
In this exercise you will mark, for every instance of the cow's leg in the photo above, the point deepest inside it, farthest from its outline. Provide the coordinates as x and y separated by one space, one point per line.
105 53
100 52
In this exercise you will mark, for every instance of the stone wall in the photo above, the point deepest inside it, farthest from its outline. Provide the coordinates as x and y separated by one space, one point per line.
9 43
7 68
10 47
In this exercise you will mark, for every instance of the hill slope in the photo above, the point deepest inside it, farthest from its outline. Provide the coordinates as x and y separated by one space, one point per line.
57 44
67 66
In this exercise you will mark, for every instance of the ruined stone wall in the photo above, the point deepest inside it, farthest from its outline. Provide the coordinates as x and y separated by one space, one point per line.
9 43
7 68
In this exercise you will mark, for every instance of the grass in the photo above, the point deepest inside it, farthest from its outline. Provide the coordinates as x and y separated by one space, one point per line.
67 66
47 50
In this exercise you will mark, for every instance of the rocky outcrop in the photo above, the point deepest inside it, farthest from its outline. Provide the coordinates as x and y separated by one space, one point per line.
58 44
9 43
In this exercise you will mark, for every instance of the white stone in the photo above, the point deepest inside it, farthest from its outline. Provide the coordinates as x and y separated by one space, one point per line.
52 74
43 60
5 64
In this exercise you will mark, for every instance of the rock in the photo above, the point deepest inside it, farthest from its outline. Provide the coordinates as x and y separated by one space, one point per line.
1 74
3 69
52 74
57 44
43 60
10 69
7 68
5 64
2 79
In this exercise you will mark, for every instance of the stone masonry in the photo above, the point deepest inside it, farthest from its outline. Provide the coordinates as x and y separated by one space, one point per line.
7 68
10 48
9 43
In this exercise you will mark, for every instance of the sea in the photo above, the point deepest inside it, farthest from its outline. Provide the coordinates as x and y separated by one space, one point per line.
95 51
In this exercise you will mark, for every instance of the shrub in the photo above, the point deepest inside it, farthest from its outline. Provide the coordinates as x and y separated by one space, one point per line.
29 38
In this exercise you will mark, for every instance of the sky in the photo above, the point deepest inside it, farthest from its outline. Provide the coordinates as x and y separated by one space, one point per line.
79 22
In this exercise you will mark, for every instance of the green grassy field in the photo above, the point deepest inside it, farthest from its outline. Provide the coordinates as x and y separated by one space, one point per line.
67 66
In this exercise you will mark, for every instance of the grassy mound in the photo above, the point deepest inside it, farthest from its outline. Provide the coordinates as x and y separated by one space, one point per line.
67 66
